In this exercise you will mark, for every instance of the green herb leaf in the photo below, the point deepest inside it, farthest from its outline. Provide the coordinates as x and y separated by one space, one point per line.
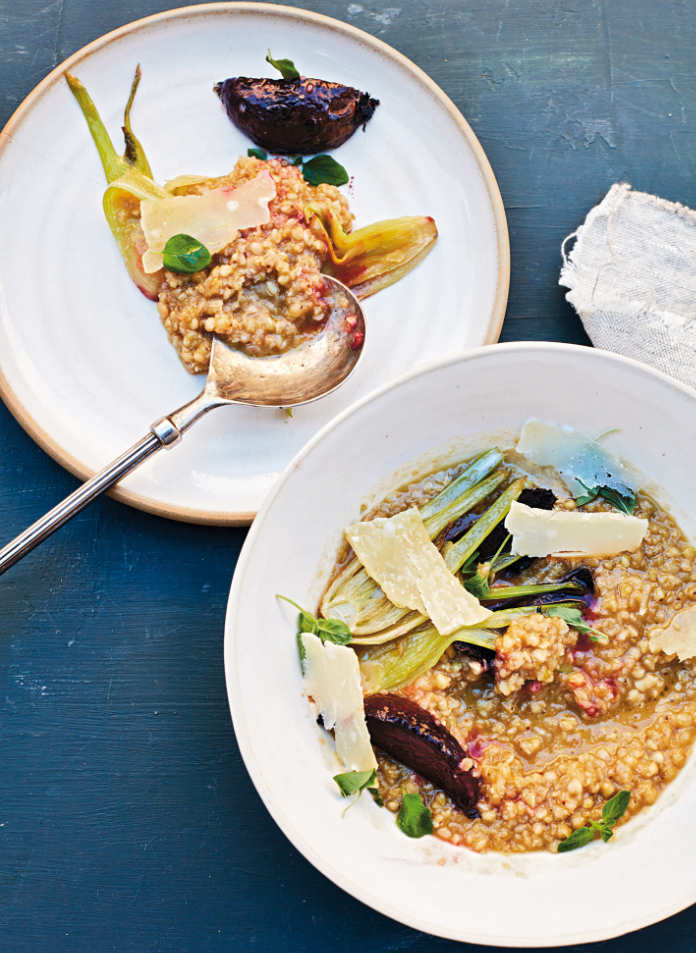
324 169
333 630
414 818
301 650
286 68
295 160
354 782
573 617
579 838
612 811
257 154
585 498
328 630
615 807
185 254
591 493
478 584
306 622
625 502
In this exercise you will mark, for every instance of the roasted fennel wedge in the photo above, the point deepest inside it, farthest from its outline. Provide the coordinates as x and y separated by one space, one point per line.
400 662
357 599
130 180
376 256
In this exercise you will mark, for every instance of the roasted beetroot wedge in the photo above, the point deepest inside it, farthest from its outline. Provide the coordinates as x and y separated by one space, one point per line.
295 116
411 735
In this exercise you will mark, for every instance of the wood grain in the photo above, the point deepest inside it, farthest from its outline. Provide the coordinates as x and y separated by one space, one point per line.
127 821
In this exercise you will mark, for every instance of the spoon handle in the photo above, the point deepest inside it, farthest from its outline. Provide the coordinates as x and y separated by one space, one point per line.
163 433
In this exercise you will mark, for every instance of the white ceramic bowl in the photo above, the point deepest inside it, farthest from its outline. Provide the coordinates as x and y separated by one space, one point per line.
538 899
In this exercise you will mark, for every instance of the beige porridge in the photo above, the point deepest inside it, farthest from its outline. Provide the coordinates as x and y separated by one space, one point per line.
264 292
553 722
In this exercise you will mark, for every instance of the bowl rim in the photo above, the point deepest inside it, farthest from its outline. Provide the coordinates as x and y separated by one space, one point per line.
32 427
296 836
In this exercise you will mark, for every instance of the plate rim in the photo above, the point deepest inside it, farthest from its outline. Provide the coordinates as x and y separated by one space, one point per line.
31 426
239 721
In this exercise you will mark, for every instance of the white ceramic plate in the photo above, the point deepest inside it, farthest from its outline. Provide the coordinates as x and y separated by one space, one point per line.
85 365
541 899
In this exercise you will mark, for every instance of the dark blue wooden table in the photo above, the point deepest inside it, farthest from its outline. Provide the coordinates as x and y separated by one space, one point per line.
127 820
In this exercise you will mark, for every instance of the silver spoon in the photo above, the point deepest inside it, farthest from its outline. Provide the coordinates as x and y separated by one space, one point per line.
299 376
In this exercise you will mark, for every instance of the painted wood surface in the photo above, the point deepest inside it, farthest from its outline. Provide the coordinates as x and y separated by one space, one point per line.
127 820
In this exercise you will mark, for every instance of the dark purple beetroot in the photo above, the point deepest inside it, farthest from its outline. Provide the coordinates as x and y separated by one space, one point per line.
411 735
295 116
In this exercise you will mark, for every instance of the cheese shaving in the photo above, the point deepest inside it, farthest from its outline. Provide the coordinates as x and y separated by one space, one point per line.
332 680
398 554
678 637
213 218
581 462
572 533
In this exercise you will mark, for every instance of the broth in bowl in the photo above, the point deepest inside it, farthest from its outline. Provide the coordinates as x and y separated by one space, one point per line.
504 649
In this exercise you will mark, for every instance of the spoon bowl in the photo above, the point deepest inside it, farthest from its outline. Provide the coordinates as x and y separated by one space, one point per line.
311 370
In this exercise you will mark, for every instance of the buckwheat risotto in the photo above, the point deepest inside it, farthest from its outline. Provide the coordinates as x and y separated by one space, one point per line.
243 256
264 290
517 633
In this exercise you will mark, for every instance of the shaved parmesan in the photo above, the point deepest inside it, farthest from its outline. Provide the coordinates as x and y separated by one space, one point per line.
572 533
332 679
678 637
578 459
213 217
398 554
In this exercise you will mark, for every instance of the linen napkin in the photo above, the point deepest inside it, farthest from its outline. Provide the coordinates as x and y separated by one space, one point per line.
632 279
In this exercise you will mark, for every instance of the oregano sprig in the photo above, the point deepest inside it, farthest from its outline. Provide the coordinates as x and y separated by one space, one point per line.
185 254
355 782
612 811
328 630
285 67
624 502
323 168
414 818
